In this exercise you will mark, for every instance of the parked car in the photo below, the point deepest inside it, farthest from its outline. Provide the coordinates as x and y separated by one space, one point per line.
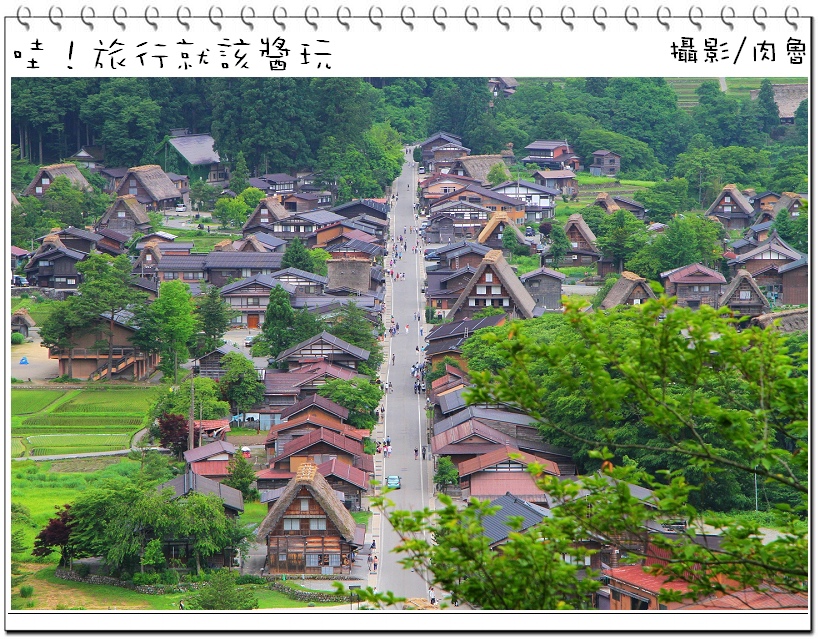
19 280
181 208
248 341
393 481
424 225
421 170
431 255
529 232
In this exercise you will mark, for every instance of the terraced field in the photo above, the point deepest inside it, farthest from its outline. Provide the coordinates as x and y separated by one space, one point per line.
52 422
685 89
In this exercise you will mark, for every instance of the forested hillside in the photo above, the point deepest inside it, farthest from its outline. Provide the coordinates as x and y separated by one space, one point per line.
344 124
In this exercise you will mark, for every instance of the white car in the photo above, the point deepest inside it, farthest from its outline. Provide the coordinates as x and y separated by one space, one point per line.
181 208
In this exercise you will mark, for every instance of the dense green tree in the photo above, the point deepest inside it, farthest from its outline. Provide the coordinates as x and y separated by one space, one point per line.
498 174
319 261
231 211
201 518
61 329
278 320
240 175
214 315
208 403
252 196
801 127
637 157
621 236
240 384
488 311
240 475
665 199
65 202
603 291
203 195
359 396
305 325
297 256
446 473
794 231
559 246
766 108
351 325
106 290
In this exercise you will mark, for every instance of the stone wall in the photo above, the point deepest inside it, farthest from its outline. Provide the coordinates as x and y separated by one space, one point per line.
300 595
101 580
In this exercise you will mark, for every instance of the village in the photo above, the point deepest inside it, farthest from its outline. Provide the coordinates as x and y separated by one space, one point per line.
324 348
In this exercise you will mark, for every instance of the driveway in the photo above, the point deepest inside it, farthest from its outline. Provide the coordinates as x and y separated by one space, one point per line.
39 368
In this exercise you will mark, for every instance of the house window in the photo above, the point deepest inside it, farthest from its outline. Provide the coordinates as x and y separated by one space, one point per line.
120 214
148 257
574 257
132 190
727 199
170 276
471 302
282 557
71 280
728 209
335 560
637 301
313 561
495 290
705 288
481 290
252 301
744 295
638 604
292 523
533 284
318 524
59 280
264 219
505 301
305 504
489 277
574 244
38 190
615 595
45 263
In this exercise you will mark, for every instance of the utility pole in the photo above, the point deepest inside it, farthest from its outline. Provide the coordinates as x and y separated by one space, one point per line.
190 421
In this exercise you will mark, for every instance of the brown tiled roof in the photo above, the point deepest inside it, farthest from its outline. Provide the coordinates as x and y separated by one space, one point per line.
358 353
284 383
494 485
561 173
316 400
314 370
316 419
335 439
636 576
694 274
308 477
155 181
354 476
272 473
503 454
762 598
622 290
211 468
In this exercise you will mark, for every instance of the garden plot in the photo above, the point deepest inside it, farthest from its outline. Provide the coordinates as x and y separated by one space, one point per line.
70 443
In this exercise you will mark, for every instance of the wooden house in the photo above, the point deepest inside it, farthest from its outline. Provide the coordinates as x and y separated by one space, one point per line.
629 290
732 208
223 267
460 254
87 360
545 287
455 221
583 251
503 87
494 284
75 239
295 427
197 156
492 234
47 174
126 215
563 180
446 340
268 211
611 204
743 296
445 155
302 282
188 268
111 242
761 200
325 347
632 588
19 256
250 296
445 287
113 177
439 185
693 285
303 201
496 526
372 208
280 182
54 265
477 167
766 257
151 186
540 200
210 364
790 202
794 282
552 154
21 321
211 460
504 469
316 404
432 142
352 482
308 530
283 389
323 444
605 162
515 425
486 198
88 157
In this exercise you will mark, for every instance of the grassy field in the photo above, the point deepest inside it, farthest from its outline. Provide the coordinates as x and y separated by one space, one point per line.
27 401
254 513
46 422
39 310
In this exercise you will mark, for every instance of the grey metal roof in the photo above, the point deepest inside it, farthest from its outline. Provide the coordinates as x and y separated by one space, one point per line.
357 246
459 248
191 482
464 327
197 149
796 264
208 450
321 216
297 272
277 177
451 402
77 255
380 207
182 263
479 412
529 185
237 259
496 527
263 279
270 241
329 338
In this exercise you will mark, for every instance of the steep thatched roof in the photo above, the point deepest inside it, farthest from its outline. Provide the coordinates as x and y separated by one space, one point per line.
501 217
131 205
793 321
621 292
606 202
308 477
582 226
478 166
21 316
155 181
738 198
53 171
507 278
224 245
743 276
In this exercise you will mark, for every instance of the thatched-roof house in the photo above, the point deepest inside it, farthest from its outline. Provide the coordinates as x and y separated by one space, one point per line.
744 297
151 186
788 98
308 530
630 290
126 215
478 166
792 321
21 321
47 174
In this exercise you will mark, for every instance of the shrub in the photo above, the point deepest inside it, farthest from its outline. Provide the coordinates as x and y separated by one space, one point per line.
147 578
250 579
83 570
169 577
26 591
18 338
123 576
14 380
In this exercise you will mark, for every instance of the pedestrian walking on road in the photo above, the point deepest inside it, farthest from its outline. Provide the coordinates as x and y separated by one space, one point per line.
407 329
423 452
181 604
390 388
432 596
388 441
375 564
416 453
393 359
389 451
369 562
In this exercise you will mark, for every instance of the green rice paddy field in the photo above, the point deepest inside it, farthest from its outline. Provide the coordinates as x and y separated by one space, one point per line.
53 422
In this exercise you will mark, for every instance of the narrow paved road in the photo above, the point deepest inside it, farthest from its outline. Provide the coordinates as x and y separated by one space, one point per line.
405 418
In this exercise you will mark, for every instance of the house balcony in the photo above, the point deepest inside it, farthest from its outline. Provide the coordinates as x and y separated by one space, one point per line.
92 353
